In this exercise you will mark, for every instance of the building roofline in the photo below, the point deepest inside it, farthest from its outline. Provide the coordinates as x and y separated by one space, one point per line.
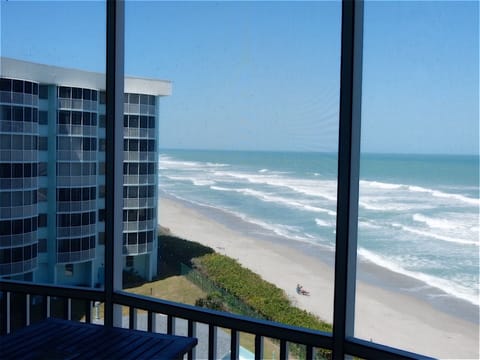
56 75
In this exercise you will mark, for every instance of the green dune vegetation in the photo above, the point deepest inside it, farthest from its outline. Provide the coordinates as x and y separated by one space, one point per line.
266 299
231 287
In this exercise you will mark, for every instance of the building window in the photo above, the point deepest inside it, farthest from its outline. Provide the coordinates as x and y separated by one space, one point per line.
77 93
69 270
64 92
18 86
6 85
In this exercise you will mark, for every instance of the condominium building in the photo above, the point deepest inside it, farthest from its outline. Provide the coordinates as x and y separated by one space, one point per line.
52 174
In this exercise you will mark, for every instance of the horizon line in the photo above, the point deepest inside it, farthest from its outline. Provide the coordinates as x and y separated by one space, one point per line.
320 151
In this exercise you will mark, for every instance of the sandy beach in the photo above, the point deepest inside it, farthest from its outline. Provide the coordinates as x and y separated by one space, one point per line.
382 316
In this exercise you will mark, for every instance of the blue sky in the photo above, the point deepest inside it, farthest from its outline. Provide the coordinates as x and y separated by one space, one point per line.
266 75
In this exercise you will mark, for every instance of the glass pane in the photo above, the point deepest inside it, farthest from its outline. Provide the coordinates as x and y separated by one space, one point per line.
243 104
418 246
51 61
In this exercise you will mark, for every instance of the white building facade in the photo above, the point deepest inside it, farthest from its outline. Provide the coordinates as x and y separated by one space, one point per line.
52 174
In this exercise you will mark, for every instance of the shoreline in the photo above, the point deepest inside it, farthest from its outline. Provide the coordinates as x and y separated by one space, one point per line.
367 272
383 315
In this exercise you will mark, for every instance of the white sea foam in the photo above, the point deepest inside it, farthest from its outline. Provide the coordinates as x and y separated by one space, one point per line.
210 164
169 163
376 185
194 180
221 188
441 194
284 231
323 223
385 204
179 165
266 197
437 236
199 182
177 178
435 223
263 170
368 224
318 188
380 185
451 288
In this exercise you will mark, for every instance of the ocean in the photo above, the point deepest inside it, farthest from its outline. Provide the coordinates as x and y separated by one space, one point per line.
418 214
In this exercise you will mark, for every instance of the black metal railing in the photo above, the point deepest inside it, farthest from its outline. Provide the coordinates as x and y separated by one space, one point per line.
23 303
300 342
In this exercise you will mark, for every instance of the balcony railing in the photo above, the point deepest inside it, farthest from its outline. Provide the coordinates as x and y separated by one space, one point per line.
13 316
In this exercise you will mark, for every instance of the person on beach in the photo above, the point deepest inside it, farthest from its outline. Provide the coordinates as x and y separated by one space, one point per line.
301 290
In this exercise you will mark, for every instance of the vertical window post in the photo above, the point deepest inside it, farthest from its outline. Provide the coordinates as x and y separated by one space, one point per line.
114 156
348 174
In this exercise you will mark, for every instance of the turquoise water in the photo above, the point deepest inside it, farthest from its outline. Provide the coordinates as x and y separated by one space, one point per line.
418 214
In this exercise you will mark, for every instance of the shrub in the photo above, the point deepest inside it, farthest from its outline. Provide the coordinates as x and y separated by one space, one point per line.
212 301
131 278
270 301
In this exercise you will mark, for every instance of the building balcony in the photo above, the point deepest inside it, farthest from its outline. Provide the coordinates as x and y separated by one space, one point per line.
75 256
18 98
137 249
19 267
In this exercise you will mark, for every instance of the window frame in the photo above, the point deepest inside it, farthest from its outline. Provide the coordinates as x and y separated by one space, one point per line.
344 342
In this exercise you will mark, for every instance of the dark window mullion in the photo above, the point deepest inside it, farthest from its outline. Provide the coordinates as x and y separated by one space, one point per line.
114 155
348 174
